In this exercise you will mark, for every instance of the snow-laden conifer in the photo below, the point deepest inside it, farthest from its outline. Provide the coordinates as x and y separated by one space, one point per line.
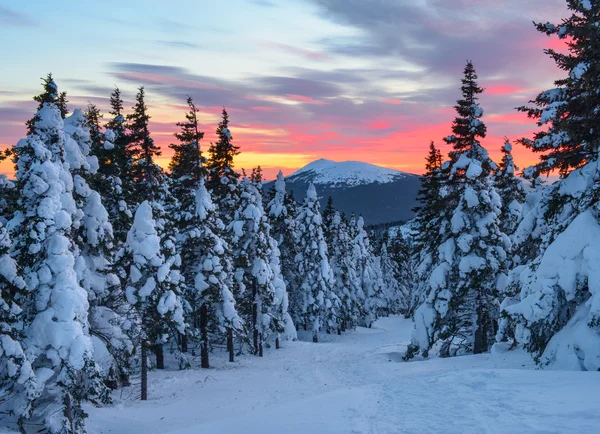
460 310
320 306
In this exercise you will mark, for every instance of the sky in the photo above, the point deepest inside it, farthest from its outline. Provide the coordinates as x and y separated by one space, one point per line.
367 80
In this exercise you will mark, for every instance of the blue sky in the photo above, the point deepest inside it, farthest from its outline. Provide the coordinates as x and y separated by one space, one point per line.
372 80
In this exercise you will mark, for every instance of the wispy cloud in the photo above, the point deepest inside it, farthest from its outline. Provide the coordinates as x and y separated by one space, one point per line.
179 44
11 18
296 51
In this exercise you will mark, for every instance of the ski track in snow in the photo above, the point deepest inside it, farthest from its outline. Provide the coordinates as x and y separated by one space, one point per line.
357 383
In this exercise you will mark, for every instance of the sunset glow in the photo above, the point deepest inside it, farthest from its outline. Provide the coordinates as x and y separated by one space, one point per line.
347 90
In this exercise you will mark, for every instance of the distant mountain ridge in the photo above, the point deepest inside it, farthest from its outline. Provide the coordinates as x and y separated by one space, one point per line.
379 194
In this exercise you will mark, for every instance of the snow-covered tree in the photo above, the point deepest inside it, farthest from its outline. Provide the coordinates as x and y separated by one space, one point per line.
394 284
460 310
145 175
93 236
369 275
511 191
17 379
282 211
112 178
254 250
153 283
346 280
220 164
552 309
55 307
209 257
320 306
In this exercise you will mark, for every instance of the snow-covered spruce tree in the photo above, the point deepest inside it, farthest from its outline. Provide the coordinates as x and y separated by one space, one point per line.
187 171
146 176
254 250
395 285
282 211
460 312
401 251
511 191
49 95
110 148
346 280
93 236
8 197
555 309
369 275
17 379
208 255
426 225
320 306
153 283
220 164
55 307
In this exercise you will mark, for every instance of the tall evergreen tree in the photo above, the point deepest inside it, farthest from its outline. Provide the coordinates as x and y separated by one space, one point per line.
209 257
153 284
460 311
220 165
346 279
113 181
510 189
144 173
320 306
253 250
282 212
552 307
55 308
49 95
18 386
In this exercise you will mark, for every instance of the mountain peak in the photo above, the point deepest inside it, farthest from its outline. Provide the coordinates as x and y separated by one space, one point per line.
346 173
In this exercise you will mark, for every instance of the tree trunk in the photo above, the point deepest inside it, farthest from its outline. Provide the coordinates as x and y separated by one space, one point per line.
160 356
144 373
255 320
230 343
315 337
184 343
480 339
204 344
277 342
260 345
339 331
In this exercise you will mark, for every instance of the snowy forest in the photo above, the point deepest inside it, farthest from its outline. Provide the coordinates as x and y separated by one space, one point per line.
111 266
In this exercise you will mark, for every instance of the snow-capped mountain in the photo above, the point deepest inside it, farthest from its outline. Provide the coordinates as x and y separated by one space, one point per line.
346 174
379 194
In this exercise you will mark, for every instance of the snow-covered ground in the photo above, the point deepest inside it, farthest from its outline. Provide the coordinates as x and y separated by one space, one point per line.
357 383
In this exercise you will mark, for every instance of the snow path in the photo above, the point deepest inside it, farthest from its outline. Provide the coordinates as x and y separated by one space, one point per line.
356 383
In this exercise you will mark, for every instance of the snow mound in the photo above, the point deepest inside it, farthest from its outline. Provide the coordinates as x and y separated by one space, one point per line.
346 173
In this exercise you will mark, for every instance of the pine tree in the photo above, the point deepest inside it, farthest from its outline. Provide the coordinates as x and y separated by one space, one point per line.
570 140
395 285
49 95
113 180
551 309
320 306
282 212
187 164
460 310
18 386
55 307
346 284
369 275
254 250
510 189
220 164
209 257
94 253
145 175
154 283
